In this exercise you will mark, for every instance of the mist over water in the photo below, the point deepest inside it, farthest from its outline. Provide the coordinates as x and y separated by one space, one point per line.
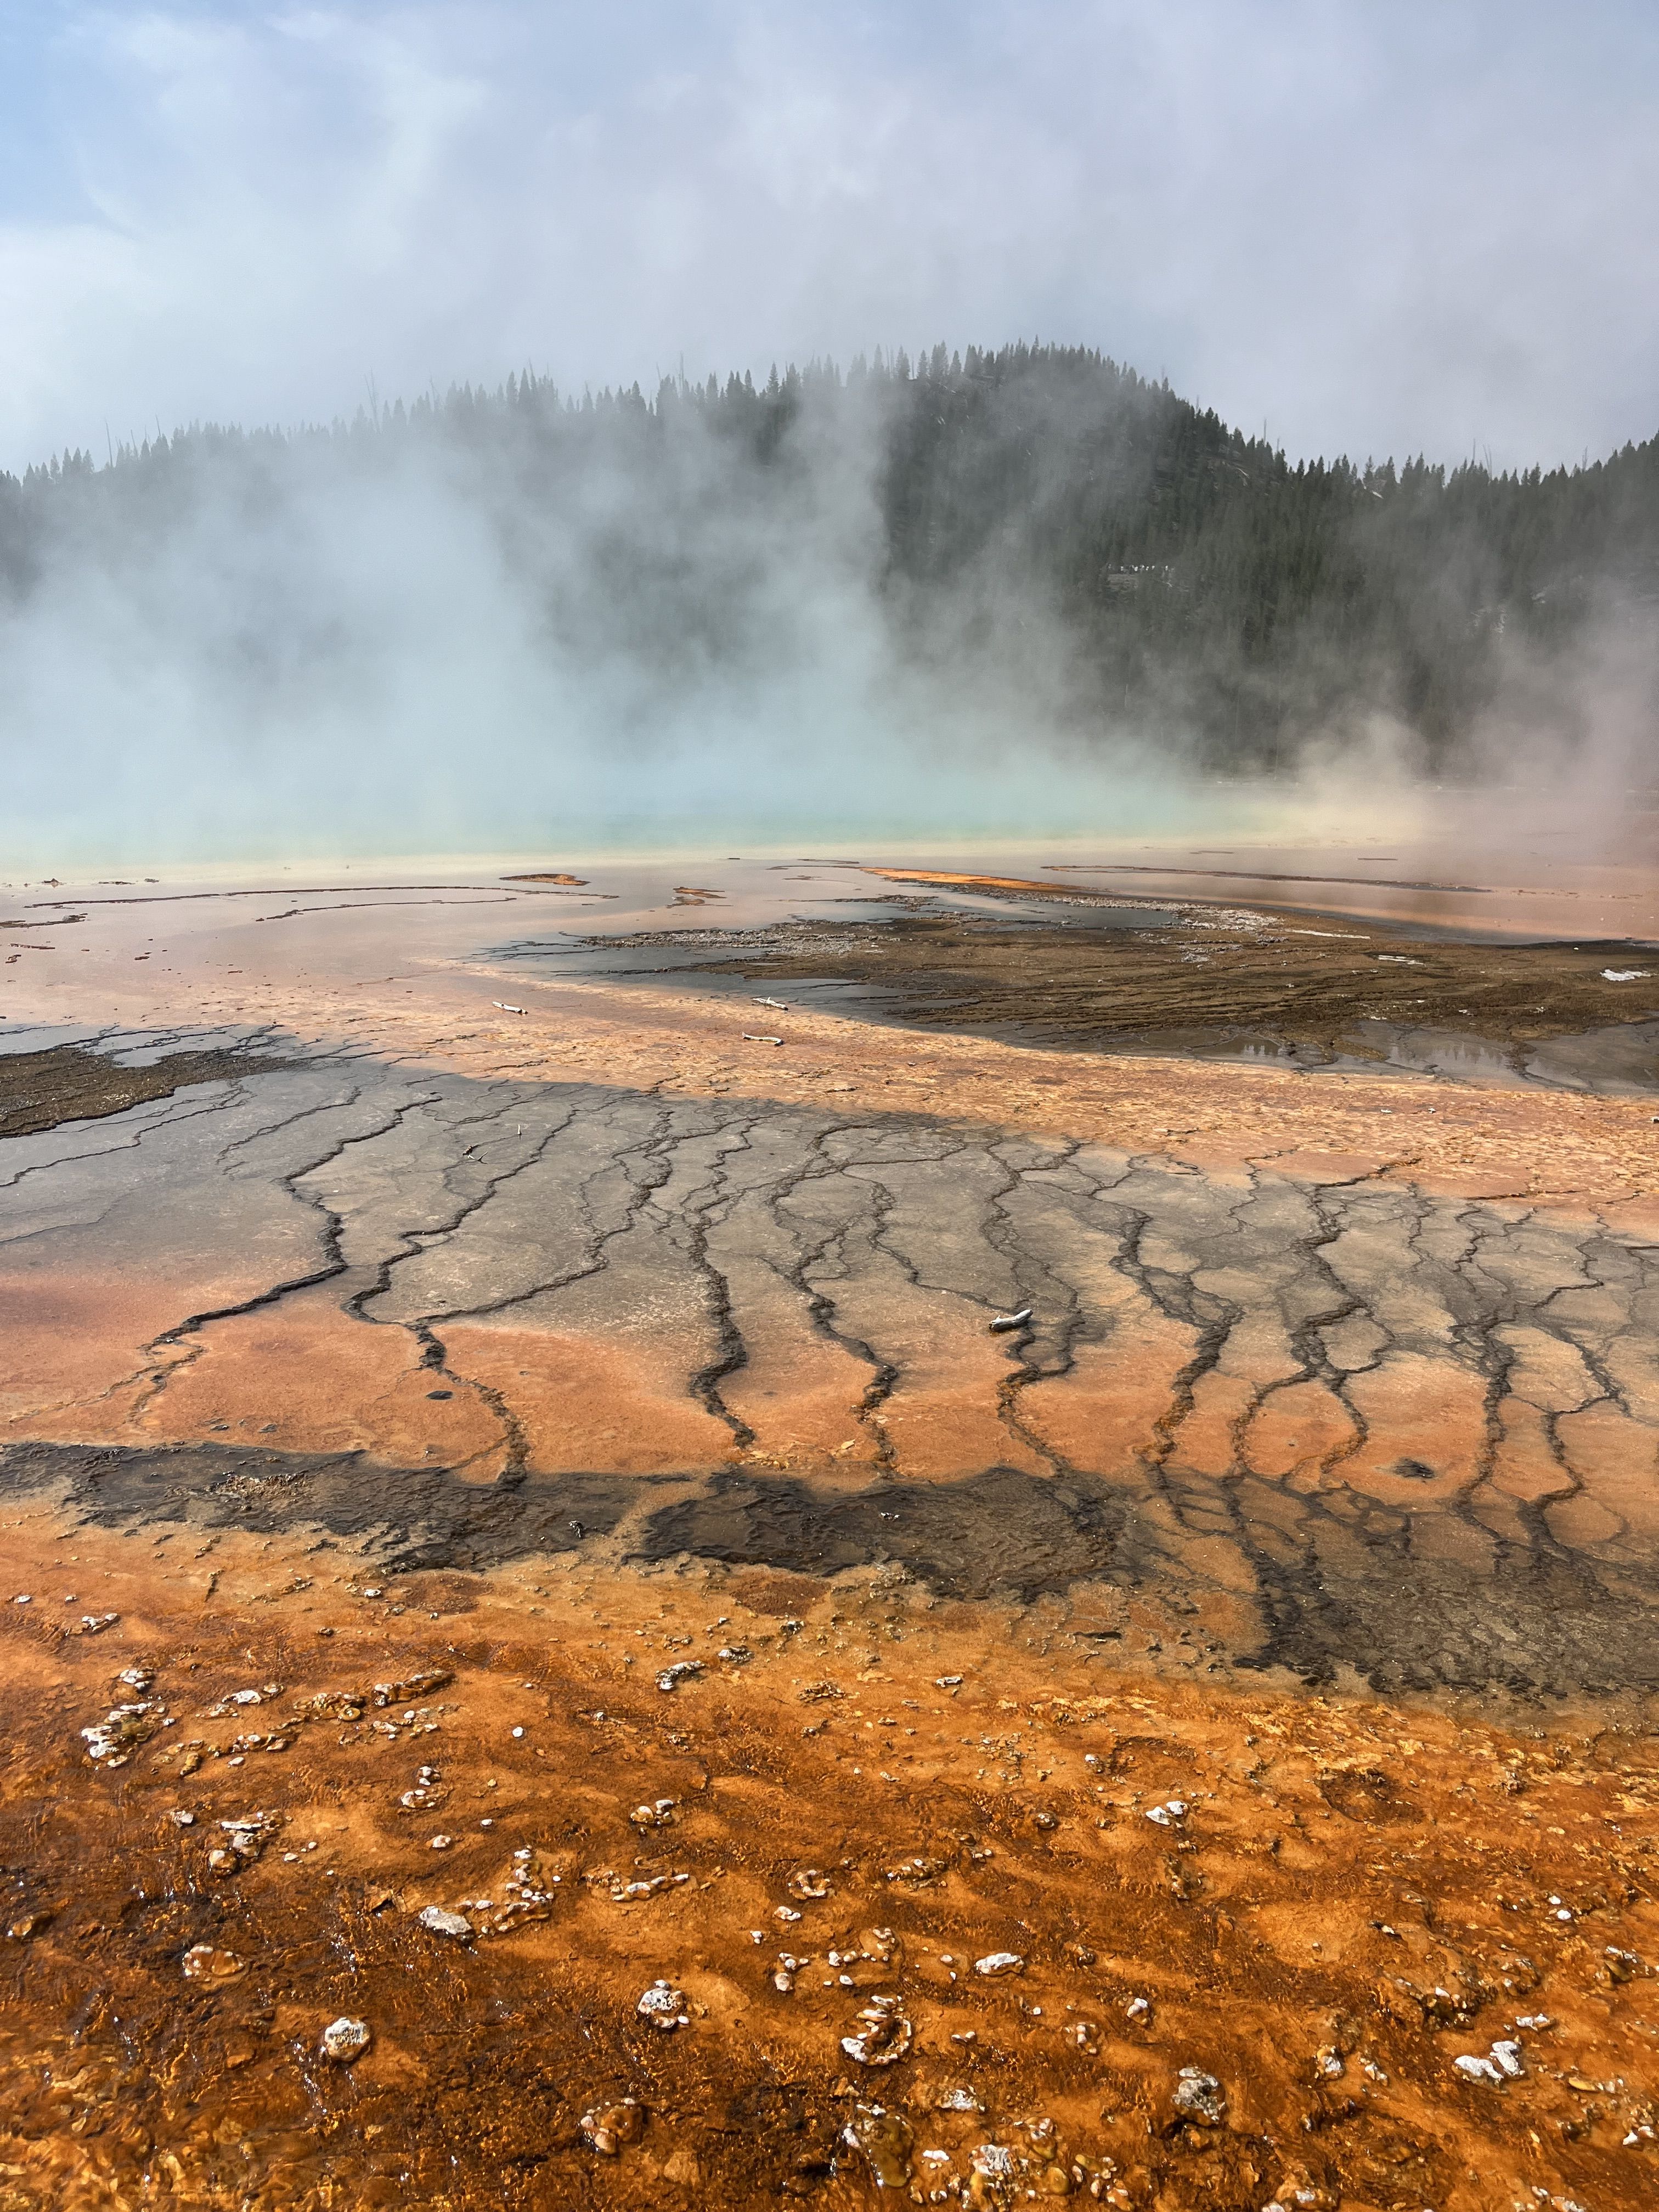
948 605
402 645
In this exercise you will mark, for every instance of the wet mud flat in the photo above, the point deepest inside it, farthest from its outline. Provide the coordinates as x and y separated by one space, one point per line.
75 1082
1317 990
672 1880
1247 1661
1386 1601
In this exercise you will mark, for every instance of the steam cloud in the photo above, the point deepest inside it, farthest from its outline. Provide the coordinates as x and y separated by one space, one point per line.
435 637
1032 594
1384 230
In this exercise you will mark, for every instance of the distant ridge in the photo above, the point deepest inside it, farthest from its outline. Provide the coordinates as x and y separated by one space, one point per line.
1203 585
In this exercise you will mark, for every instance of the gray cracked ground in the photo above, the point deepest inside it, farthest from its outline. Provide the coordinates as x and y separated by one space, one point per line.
1254 1420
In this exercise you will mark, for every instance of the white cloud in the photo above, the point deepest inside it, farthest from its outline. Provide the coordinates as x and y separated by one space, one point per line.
1380 227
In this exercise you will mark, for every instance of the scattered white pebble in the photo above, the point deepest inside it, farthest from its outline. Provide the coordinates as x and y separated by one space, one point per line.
344 2039
663 2005
1477 2069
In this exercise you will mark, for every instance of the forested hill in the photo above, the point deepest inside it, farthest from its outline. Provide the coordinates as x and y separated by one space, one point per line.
1196 580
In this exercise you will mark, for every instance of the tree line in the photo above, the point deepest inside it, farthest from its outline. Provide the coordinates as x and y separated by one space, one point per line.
1193 579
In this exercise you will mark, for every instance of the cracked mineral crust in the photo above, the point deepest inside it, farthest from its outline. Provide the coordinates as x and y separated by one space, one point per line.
1256 1644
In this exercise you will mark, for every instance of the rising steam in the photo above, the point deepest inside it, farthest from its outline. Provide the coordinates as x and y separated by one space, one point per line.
961 601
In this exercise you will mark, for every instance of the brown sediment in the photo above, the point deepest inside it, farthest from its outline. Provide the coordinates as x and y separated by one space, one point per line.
1319 1495
882 1785
69 1083
1342 989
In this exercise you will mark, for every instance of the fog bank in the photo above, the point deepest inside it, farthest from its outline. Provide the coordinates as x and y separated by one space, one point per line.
1022 593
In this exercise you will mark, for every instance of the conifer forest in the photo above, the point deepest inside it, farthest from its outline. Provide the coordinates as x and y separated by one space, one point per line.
1197 581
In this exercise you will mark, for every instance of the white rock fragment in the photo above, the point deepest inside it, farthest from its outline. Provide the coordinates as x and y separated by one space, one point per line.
683 1670
344 2039
999 1962
1476 2070
663 2005
453 1924
1503 2062
1168 1816
1199 2096
245 1839
882 2036
122 1731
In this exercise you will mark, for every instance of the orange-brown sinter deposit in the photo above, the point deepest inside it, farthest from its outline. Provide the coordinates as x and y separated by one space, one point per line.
556 1658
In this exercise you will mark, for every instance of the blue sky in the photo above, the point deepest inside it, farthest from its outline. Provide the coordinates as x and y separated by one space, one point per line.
1378 228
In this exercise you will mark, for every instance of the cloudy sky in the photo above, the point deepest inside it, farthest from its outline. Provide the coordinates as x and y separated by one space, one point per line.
1376 226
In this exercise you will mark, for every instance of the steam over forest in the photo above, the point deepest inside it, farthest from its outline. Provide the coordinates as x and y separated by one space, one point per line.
1193 579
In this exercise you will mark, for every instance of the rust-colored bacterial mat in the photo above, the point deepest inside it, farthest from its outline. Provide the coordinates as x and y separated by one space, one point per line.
617 1597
